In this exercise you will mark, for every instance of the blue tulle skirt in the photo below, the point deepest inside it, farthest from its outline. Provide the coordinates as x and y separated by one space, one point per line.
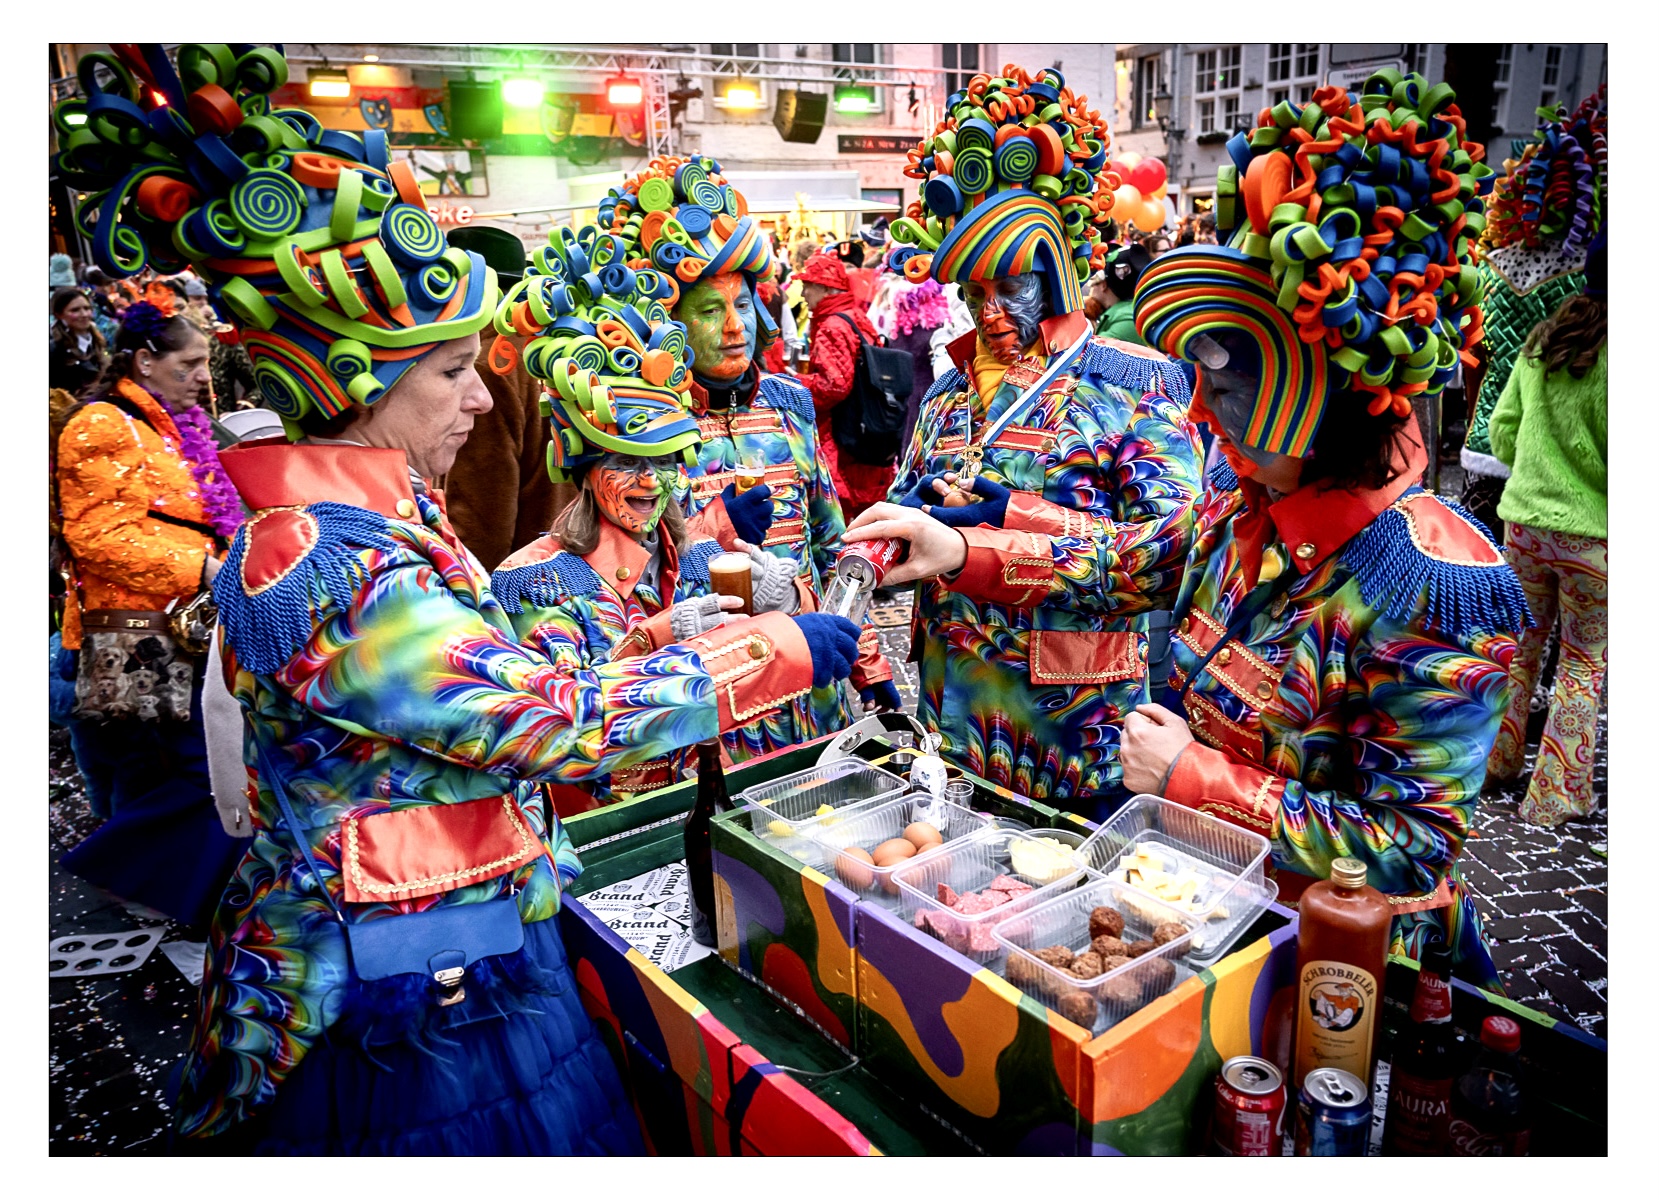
509 1070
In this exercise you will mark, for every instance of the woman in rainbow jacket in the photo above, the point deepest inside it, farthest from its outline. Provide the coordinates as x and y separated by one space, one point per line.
682 218
620 575
1343 635
383 975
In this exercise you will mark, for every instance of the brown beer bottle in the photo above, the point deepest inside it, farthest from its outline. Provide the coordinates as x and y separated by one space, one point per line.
700 867
1343 938
1425 1062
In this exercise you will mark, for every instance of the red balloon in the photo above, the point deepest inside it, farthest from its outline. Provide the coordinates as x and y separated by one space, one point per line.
1147 175
1119 169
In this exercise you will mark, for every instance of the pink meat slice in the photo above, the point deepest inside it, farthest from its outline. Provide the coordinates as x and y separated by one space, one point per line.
1005 883
945 894
973 903
981 940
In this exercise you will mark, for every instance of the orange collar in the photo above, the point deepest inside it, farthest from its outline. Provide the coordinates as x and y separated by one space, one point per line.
618 560
1326 520
160 419
270 473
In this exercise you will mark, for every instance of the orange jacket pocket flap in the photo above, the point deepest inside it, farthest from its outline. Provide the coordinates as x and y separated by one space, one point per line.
1084 656
413 852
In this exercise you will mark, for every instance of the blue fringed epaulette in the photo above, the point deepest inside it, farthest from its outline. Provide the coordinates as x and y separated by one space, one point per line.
543 584
270 599
1132 372
1423 546
1222 477
775 391
695 561
953 380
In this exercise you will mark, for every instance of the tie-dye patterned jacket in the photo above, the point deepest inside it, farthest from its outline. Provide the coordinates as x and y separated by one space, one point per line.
387 686
601 607
1354 713
1033 654
778 423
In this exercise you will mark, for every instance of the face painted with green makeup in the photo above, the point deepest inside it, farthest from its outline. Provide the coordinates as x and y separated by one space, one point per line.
632 490
720 319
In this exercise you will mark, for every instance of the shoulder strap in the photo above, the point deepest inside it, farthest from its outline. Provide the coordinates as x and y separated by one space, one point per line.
854 325
280 790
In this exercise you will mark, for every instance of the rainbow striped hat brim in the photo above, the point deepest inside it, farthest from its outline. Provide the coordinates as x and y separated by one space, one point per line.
1011 233
1208 289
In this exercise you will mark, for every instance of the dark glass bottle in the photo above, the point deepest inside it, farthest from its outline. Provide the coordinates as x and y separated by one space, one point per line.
1343 938
1425 1062
1488 1116
700 870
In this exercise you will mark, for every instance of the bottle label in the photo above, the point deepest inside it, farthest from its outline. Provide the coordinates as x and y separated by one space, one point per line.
1418 1117
1433 1001
1337 1006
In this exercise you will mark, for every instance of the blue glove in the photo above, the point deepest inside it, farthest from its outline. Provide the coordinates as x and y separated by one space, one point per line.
990 511
834 644
752 513
881 697
923 493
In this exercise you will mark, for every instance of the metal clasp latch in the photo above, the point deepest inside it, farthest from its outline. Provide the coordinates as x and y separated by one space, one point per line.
449 982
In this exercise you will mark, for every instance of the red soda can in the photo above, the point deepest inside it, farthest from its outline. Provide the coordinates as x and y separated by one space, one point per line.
1250 1109
865 563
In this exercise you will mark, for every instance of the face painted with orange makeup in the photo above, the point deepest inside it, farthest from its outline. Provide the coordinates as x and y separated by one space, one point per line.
632 490
720 319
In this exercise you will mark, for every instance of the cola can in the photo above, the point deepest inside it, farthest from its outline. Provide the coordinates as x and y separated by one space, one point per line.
866 563
1250 1109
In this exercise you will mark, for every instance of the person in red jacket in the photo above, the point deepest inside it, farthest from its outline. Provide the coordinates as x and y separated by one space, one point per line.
838 324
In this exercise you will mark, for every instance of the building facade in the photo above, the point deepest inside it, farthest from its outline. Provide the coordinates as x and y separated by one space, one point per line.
1182 101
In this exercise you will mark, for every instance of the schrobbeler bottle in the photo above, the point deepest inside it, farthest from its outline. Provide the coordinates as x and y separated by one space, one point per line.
700 868
1343 938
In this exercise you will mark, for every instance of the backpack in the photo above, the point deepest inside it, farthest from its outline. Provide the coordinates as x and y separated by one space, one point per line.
867 425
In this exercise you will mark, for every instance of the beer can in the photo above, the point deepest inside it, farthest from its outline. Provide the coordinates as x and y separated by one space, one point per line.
867 562
1335 1115
1250 1109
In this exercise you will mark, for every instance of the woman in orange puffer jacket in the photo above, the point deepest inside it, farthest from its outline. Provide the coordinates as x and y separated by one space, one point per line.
145 510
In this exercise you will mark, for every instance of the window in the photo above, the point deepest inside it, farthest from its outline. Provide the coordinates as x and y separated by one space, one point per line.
962 63
1205 115
855 52
1294 64
1231 112
1146 88
1279 96
737 59
1550 75
1418 58
1280 61
1502 85
1309 59
1228 68
1205 71
743 54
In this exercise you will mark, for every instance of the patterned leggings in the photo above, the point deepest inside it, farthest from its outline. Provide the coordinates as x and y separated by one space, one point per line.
1565 576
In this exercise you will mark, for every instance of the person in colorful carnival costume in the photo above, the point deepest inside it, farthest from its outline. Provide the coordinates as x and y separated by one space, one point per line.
1543 215
1083 466
384 692
1339 665
618 576
682 218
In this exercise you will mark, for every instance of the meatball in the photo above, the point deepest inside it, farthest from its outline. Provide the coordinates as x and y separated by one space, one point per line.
1138 949
1170 931
1157 975
1022 971
1114 961
1107 946
1087 965
1057 956
1105 920
1079 1008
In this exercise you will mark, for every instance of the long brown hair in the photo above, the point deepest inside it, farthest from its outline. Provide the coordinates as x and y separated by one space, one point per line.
1572 337
578 525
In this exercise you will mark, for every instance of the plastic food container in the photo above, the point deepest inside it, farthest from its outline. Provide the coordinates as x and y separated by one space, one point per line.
968 866
869 828
1100 1002
784 811
1223 863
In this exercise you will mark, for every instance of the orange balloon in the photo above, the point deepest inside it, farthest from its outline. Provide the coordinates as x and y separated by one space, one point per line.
1149 215
1126 200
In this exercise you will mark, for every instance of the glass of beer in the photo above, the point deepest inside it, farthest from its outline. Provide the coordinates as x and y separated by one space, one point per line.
752 470
729 574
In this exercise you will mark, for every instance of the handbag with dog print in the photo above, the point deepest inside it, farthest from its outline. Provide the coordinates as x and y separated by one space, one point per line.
131 668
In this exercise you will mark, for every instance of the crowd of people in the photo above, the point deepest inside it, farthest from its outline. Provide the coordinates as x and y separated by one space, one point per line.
333 691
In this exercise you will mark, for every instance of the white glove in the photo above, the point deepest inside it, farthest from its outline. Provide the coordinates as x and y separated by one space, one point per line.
690 618
772 582
222 731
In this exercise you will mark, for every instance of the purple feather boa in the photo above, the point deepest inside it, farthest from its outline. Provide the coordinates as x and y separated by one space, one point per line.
219 496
